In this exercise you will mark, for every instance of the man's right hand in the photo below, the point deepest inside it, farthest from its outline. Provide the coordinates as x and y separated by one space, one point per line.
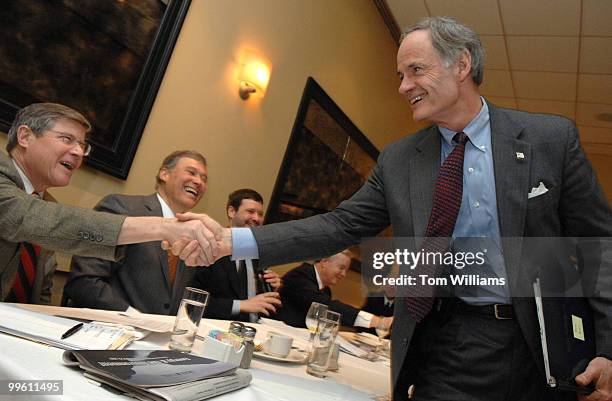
264 303
223 235
192 241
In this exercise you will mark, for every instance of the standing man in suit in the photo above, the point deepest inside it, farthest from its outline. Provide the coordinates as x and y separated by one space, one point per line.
236 289
308 283
471 348
46 144
148 278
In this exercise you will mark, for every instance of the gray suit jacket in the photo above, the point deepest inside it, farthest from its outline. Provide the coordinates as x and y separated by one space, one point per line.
399 193
53 226
139 280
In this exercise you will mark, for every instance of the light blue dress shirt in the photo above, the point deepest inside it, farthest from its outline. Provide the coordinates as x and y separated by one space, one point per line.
477 227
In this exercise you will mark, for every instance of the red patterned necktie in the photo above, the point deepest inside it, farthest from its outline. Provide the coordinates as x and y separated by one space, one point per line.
21 291
446 204
172 266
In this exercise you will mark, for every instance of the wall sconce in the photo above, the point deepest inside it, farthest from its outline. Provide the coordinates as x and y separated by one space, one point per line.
254 74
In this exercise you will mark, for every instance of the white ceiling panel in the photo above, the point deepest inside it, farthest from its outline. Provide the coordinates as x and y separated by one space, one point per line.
545 85
590 114
596 17
543 53
507 102
541 17
597 149
596 55
595 88
407 12
595 135
497 83
547 106
481 15
496 56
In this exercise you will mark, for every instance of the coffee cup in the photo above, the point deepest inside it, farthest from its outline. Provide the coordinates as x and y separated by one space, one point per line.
277 344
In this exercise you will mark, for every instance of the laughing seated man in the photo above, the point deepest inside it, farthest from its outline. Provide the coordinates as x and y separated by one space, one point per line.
309 283
148 278
46 144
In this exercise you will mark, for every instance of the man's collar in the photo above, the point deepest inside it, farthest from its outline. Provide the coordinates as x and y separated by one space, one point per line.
27 184
319 282
166 211
474 130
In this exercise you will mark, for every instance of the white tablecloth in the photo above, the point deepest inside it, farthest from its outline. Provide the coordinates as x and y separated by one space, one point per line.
357 379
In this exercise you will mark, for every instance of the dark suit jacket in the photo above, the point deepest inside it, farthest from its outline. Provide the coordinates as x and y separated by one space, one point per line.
221 281
139 280
399 193
300 289
53 226
375 304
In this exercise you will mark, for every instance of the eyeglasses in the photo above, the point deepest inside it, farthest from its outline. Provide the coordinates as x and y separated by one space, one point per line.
70 140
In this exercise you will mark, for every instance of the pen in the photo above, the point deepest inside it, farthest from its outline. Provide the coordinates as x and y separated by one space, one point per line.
72 330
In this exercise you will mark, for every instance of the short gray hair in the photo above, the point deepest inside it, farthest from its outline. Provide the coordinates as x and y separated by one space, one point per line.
346 252
450 38
40 117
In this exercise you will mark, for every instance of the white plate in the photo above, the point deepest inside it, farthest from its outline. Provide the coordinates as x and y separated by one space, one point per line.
368 339
295 356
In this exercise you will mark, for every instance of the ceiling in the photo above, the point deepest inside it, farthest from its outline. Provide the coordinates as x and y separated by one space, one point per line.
552 56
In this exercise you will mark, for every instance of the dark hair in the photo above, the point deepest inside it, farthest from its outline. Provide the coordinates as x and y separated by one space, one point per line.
40 117
172 160
235 198
450 38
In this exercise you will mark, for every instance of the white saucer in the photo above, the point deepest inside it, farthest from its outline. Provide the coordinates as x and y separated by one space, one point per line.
295 356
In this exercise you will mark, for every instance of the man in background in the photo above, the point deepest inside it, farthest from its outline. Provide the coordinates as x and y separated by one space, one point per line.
148 278
237 289
46 144
309 283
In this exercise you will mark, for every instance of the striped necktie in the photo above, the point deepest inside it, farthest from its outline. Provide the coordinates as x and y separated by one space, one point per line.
21 291
447 197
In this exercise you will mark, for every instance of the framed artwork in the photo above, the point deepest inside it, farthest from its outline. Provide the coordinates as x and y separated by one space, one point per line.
327 160
104 58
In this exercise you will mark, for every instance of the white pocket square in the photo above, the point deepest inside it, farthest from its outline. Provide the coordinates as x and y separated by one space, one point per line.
537 191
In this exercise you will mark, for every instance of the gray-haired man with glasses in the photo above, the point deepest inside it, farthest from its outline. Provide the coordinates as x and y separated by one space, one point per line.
46 143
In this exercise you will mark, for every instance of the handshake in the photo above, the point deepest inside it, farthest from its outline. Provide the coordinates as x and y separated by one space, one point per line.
197 239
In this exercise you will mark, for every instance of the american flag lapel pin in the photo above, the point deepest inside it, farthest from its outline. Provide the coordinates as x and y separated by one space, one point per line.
520 156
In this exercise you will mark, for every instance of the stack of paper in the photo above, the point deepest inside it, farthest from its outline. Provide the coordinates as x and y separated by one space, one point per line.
49 330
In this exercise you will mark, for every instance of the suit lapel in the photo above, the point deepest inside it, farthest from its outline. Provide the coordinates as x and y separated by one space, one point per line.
511 161
424 168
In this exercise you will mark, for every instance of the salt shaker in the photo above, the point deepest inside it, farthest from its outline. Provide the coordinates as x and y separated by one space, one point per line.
235 330
248 335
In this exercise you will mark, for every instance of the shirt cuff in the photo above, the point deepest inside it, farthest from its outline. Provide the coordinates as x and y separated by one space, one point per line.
235 307
363 319
244 245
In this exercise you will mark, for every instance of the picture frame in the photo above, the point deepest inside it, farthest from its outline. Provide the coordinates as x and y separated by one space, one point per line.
103 58
326 161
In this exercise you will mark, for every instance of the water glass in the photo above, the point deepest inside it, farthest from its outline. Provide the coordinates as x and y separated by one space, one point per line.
321 347
188 319
315 312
